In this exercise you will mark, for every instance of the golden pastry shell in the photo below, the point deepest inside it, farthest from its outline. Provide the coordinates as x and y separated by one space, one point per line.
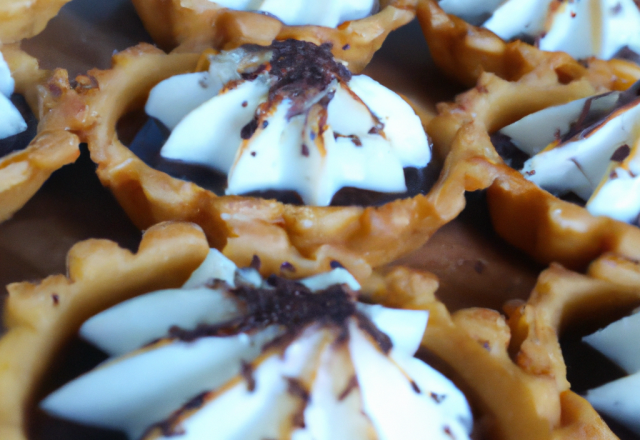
194 25
547 228
23 172
310 238
21 19
464 52
40 317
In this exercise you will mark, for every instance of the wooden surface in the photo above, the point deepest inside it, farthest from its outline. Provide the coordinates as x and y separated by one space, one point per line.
474 266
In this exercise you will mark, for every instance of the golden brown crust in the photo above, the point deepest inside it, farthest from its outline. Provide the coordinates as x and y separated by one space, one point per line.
464 51
528 217
21 19
518 400
195 25
516 403
41 317
23 172
307 237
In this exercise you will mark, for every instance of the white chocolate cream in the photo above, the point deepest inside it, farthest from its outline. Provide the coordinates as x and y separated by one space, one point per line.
344 373
582 28
266 133
619 399
328 13
11 121
588 147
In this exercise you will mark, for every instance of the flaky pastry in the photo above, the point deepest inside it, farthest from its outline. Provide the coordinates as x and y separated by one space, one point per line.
24 171
194 25
526 216
309 238
464 51
514 403
21 19
561 299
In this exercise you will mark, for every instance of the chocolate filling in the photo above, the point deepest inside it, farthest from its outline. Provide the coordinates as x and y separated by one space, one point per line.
21 140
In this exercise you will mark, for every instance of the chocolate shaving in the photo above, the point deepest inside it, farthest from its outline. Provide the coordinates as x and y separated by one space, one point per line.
438 398
351 385
249 129
621 153
415 387
302 70
296 388
382 339
255 262
246 370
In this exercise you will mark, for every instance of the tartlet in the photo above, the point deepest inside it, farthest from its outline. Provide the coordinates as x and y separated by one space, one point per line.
23 171
544 226
472 343
464 51
308 238
194 25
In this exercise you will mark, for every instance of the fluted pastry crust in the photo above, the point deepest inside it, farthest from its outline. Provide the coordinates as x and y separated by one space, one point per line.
194 25
25 18
464 51
547 228
309 238
516 401
23 172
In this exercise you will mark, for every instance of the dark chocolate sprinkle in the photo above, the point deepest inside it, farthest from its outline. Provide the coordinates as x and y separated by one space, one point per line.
479 266
245 103
351 385
447 431
621 153
286 266
196 402
415 387
249 129
530 173
247 373
296 388
305 150
253 153
255 262
438 398
56 299
616 9
346 46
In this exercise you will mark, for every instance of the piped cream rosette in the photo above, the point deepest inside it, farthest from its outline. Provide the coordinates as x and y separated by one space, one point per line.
510 402
356 28
306 237
264 359
546 227
24 170
464 51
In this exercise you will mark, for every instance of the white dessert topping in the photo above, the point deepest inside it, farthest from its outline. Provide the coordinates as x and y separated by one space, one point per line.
599 162
619 399
11 121
581 28
353 133
325 381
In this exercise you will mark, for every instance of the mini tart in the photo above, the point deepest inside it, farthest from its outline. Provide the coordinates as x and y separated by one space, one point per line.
464 51
544 226
194 25
309 238
41 317
562 298
23 19
23 172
